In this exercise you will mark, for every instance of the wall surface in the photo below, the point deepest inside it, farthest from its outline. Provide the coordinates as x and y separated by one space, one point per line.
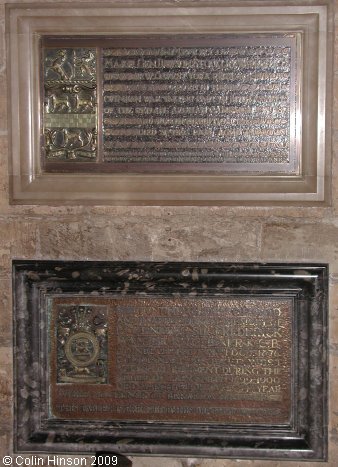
160 233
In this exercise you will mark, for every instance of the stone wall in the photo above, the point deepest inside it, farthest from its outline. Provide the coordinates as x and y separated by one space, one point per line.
159 233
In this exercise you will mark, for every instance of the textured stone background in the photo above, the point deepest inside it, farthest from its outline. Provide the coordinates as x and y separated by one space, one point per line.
160 233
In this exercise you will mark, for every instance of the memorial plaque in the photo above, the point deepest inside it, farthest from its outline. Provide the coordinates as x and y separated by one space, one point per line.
172 359
194 103
194 359
163 104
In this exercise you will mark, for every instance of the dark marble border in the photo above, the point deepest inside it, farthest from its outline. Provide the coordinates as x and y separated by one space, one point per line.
304 438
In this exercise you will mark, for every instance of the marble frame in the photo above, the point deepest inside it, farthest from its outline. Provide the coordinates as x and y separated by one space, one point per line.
34 282
30 184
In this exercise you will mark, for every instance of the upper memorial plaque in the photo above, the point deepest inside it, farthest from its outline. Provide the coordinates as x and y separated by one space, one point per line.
189 103
205 104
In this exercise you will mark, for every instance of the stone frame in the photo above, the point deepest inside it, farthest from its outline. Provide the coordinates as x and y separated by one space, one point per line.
305 437
31 184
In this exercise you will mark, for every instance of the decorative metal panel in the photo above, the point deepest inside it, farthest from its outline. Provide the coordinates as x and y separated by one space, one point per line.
70 104
79 343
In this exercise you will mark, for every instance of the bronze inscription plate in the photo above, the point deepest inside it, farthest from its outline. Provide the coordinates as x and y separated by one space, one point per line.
188 102
166 359
201 104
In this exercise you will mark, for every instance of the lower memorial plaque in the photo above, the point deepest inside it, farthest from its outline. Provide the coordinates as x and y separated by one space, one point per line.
204 359
172 359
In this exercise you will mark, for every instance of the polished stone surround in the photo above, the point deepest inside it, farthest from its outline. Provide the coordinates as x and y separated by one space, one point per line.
38 283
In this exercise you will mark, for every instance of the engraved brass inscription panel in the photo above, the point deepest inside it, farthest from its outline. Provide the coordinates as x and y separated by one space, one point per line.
197 105
200 103
164 359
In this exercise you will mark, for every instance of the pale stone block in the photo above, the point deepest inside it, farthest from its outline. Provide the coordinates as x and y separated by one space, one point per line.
5 446
206 238
155 462
95 238
6 393
299 241
6 338
19 236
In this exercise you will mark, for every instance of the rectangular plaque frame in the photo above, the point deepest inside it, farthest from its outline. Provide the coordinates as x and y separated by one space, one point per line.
304 179
96 341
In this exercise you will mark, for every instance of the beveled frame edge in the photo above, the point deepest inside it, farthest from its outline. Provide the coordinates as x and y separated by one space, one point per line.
311 278
29 185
